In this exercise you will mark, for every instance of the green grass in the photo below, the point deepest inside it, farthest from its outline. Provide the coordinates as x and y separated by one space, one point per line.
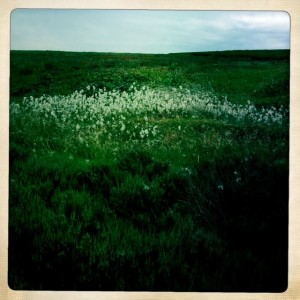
156 195
259 76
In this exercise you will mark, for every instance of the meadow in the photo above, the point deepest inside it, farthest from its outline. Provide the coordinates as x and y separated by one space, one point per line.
149 172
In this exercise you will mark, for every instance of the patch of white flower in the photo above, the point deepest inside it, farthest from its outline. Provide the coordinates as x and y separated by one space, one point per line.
135 114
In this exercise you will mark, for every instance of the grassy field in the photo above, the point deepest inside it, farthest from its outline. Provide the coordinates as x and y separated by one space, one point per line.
149 172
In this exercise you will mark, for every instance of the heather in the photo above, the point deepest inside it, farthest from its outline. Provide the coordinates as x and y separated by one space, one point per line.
149 172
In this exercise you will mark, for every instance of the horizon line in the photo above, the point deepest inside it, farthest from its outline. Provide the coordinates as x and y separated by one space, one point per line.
149 53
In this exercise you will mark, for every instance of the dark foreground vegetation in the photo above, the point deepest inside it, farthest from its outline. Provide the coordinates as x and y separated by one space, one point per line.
164 199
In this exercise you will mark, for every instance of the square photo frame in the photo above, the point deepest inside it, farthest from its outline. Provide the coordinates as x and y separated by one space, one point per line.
172 142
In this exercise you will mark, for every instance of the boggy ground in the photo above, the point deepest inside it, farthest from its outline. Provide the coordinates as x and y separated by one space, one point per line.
149 172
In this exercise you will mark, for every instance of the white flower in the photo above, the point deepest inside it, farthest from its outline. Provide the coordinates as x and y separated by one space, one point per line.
146 187
220 187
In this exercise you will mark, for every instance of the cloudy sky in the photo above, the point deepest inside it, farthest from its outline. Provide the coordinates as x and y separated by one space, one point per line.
146 31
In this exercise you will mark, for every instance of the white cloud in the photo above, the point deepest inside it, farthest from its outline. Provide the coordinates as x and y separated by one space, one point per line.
262 20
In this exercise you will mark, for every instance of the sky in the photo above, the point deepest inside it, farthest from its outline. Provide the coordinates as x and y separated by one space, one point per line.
148 31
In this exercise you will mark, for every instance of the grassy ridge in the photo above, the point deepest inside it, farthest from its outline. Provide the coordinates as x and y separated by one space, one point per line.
259 76
157 174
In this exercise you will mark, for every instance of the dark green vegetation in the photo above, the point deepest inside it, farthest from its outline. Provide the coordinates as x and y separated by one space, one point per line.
201 206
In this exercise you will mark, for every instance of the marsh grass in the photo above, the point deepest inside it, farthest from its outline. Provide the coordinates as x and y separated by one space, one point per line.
149 172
